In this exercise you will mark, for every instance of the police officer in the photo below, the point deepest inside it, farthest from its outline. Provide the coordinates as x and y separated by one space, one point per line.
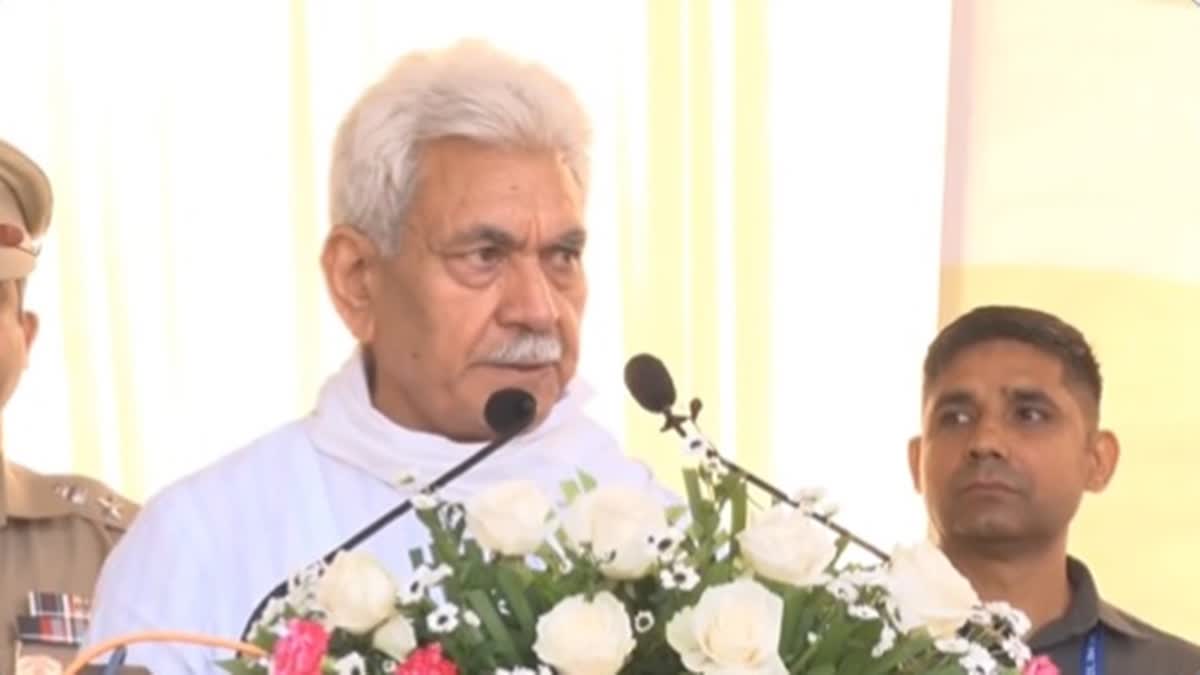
55 531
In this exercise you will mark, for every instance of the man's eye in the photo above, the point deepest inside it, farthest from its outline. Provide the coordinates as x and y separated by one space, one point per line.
566 255
563 259
1032 415
953 418
488 255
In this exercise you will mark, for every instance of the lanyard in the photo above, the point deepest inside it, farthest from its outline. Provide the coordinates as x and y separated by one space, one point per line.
1092 662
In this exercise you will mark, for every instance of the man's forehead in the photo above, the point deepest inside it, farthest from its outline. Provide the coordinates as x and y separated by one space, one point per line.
511 199
499 230
1004 355
1000 366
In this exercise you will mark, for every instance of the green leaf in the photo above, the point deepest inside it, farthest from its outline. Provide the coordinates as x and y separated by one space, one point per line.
493 624
565 543
473 571
472 636
949 669
417 556
807 621
514 592
905 649
445 548
429 519
854 663
587 481
265 638
705 519
718 573
797 663
570 490
691 481
833 640
793 607
823 669
240 667
546 552
738 502
674 513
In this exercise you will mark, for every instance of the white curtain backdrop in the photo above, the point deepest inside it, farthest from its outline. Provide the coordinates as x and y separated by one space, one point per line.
182 309
858 132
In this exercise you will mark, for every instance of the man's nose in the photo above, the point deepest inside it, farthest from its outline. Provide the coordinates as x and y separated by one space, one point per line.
528 300
988 442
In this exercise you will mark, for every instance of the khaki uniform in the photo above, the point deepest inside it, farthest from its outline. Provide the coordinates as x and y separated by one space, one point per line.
55 532
1122 644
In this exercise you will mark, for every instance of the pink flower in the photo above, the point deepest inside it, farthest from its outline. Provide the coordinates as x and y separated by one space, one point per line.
427 661
301 650
1041 665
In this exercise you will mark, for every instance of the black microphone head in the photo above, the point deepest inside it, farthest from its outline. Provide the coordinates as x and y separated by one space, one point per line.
508 411
650 383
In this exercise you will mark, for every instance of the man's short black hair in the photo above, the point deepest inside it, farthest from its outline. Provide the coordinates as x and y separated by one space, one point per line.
1038 329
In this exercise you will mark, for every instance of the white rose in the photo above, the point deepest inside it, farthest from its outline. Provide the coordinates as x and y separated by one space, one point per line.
928 591
356 592
620 520
787 546
734 628
509 518
578 637
396 638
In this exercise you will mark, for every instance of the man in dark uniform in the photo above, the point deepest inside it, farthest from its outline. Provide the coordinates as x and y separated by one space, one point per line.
55 531
1010 442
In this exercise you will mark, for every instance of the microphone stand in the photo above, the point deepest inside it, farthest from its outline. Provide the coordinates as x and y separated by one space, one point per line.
673 422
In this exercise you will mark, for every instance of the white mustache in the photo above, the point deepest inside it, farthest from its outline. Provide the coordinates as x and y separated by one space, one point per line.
528 349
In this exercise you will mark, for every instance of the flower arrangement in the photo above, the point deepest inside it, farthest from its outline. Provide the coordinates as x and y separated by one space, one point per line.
610 581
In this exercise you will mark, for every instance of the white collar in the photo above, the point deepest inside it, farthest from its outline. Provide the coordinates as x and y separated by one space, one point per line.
346 426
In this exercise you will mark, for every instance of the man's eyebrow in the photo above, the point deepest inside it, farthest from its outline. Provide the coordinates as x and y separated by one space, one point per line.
1030 395
484 233
575 237
953 397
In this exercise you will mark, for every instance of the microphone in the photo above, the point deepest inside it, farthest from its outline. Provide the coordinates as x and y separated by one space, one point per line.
508 412
651 385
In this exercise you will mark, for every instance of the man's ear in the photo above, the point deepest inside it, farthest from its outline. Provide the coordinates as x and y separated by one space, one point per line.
914 462
1104 453
347 262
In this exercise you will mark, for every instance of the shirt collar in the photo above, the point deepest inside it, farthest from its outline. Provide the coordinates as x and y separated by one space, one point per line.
1085 611
1115 619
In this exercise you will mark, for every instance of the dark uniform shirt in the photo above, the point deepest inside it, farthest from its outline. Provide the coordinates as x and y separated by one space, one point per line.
1124 644
55 532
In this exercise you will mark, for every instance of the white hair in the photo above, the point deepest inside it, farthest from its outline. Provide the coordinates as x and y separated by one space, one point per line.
469 90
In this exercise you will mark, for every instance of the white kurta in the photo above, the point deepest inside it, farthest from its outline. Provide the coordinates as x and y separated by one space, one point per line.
203 552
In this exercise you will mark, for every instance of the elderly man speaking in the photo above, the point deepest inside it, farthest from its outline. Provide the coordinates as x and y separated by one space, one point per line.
458 187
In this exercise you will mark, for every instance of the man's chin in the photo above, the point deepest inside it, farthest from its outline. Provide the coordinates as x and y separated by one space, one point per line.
997 529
